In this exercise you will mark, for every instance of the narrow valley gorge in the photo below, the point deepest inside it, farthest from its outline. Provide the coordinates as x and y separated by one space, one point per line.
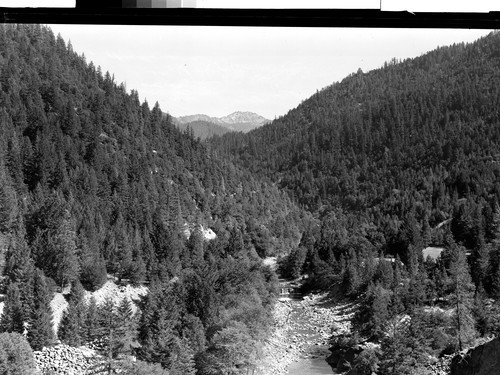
357 234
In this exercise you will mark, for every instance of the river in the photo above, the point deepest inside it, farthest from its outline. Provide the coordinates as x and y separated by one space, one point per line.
311 359
303 325
316 366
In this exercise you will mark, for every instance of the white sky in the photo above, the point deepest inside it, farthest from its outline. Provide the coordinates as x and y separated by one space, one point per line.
219 70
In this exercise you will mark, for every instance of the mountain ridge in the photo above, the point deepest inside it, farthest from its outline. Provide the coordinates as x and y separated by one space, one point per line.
237 121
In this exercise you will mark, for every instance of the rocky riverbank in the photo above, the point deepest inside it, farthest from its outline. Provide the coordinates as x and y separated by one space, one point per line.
67 360
302 329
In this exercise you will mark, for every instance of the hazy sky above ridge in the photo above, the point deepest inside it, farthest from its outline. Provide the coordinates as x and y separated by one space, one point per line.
219 70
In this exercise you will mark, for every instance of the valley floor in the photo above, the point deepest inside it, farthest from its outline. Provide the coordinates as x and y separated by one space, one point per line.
301 332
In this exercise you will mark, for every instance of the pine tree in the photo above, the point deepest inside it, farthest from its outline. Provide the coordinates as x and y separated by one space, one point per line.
496 225
20 267
108 324
12 317
93 272
139 271
8 200
236 243
67 265
91 325
126 331
69 329
72 327
493 268
383 273
404 349
417 288
159 325
195 246
462 296
366 362
479 260
194 332
352 280
123 252
160 348
481 311
374 312
16 356
183 360
232 349
40 331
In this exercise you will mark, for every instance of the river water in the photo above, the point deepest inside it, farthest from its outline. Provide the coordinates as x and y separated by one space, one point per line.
312 360
316 366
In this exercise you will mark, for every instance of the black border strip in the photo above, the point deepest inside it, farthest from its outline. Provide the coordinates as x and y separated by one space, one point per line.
252 17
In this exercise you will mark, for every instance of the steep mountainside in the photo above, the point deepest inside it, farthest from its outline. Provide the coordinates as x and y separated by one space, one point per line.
392 161
93 182
422 133
236 121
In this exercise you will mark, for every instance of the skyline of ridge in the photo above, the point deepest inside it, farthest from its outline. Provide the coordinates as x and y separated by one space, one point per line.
263 70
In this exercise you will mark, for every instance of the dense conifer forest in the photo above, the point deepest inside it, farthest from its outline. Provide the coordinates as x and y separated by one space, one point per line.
95 184
392 161
203 129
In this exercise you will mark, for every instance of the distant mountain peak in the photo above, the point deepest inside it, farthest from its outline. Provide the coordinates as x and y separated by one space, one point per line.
236 121
197 117
239 117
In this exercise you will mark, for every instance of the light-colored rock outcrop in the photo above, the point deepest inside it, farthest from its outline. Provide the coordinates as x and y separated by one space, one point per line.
117 293
58 306
66 360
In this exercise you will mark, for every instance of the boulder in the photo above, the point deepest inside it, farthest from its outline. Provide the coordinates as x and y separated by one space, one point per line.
481 360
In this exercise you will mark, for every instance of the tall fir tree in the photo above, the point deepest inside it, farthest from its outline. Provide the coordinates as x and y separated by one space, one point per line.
12 319
16 356
67 265
126 331
8 199
108 324
462 296
41 331
71 329
159 325
91 331
184 363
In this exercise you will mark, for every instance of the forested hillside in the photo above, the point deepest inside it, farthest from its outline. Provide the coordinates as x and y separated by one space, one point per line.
202 129
95 183
391 161
417 139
